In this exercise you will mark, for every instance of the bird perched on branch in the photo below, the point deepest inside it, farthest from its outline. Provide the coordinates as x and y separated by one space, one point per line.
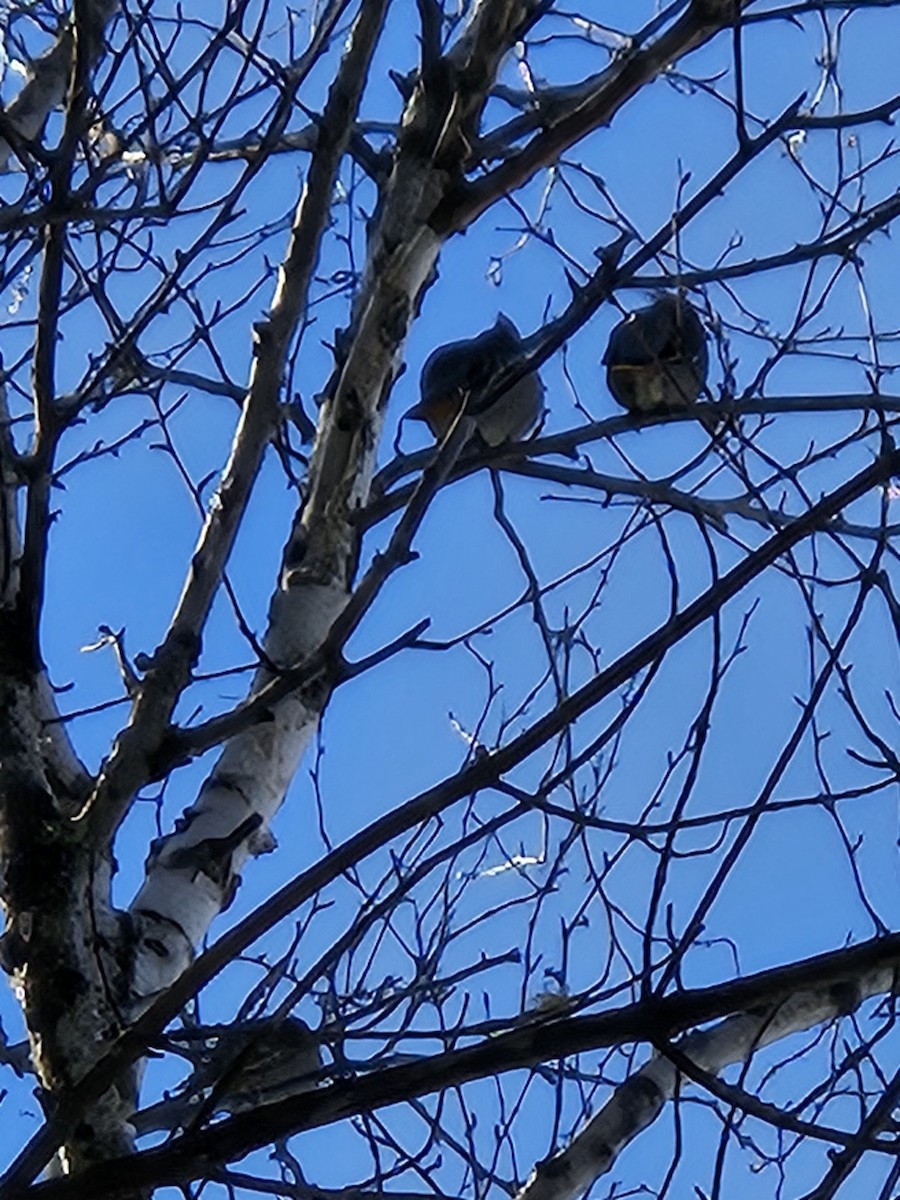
657 359
252 1063
455 374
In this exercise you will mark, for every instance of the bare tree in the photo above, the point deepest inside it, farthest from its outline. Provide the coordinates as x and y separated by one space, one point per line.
585 718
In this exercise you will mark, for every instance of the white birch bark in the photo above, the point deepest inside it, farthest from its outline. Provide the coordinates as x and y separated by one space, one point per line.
637 1102
180 897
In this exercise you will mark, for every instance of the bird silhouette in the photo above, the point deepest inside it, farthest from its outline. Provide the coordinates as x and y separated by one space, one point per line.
657 359
455 374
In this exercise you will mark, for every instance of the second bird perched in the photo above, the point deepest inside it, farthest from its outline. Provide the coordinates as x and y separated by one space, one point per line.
257 1062
657 359
458 371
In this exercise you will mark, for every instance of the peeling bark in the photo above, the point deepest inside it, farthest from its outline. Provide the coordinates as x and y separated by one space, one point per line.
178 901
82 970
63 946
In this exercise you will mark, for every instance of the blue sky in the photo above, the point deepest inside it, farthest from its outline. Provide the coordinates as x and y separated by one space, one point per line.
127 524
